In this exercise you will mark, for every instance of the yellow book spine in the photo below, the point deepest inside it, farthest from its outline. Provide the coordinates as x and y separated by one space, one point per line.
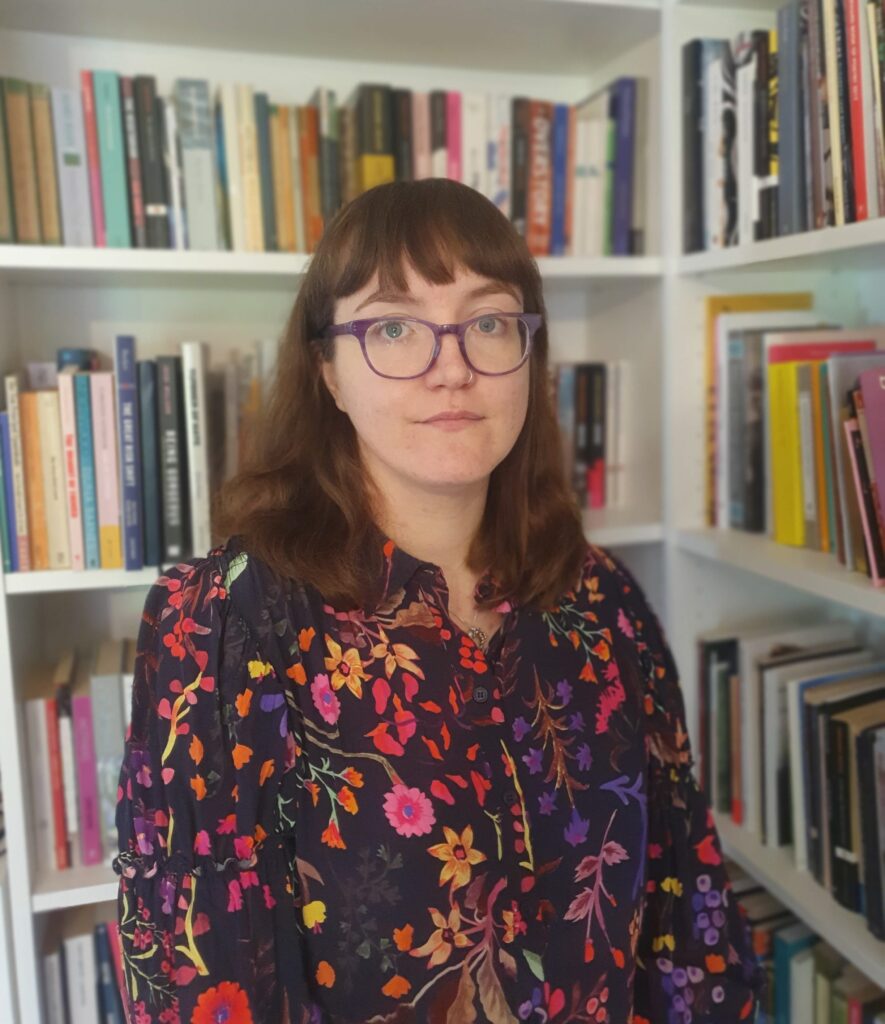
38 528
111 547
376 169
792 521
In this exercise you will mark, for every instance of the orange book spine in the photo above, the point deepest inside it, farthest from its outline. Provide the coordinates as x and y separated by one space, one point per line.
540 183
308 123
37 526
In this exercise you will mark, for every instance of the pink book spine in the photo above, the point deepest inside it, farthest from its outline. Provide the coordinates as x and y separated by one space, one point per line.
872 387
851 429
90 128
87 780
453 135
107 485
421 135
71 467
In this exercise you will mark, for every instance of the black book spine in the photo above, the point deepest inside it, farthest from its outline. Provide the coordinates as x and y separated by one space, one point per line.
596 440
402 134
153 174
843 858
173 467
877 555
692 148
815 803
265 171
844 115
519 161
872 853
150 464
437 120
581 445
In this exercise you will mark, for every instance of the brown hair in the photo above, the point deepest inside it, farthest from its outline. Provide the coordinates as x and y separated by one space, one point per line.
301 501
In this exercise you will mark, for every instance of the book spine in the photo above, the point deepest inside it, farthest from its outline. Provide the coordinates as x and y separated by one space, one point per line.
150 465
249 169
130 450
112 158
106 475
692 148
194 373
108 732
859 142
73 176
453 135
90 127
872 540
570 164
519 163
23 540
52 461
9 524
68 771
133 162
62 856
623 184
7 209
842 64
40 785
22 161
87 780
438 134
596 468
172 469
540 178
150 150
172 165
88 492
73 502
44 153
268 208
560 169
33 467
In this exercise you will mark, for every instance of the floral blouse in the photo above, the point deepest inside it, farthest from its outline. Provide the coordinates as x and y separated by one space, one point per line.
353 816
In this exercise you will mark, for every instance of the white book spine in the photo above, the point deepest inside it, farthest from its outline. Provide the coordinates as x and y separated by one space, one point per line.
54 485
194 116
713 163
41 785
81 972
170 124
53 981
69 780
227 97
297 186
70 159
18 472
746 80
249 168
474 131
595 212
501 183
193 365
67 411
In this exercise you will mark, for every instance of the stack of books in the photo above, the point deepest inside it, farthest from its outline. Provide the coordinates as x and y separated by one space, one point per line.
792 748
798 428
784 129
117 163
116 468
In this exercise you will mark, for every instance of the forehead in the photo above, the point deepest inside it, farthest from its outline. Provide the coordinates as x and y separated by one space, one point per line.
465 284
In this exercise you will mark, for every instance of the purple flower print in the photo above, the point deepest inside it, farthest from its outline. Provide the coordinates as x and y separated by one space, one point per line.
585 758
533 760
576 833
564 691
520 728
547 803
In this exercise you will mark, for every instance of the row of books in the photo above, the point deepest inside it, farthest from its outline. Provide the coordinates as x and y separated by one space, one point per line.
784 129
592 410
77 712
116 163
808 981
800 432
792 748
82 967
114 468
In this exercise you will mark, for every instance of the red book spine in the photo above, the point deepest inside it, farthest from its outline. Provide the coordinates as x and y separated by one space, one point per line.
62 858
90 128
540 184
855 99
813 350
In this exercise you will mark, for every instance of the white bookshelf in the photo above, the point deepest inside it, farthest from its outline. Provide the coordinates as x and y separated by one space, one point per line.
647 310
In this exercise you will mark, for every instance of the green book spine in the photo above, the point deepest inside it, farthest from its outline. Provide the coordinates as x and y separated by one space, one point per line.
112 156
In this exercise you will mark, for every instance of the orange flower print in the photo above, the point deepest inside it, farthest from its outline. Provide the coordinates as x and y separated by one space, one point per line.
446 937
458 854
225 1001
346 667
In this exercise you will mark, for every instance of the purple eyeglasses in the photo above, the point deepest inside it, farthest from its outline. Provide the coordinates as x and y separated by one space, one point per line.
492 344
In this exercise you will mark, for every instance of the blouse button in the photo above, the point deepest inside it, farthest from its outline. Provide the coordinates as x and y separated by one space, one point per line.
480 694
510 796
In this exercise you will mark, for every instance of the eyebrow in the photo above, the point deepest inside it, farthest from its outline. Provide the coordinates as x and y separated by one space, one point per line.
492 288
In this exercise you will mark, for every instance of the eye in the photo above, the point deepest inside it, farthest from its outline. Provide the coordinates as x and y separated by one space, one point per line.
392 330
490 324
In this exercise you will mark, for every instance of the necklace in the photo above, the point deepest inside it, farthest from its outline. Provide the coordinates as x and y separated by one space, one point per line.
476 633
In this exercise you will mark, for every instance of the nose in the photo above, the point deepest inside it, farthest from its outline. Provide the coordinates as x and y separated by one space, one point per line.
450 367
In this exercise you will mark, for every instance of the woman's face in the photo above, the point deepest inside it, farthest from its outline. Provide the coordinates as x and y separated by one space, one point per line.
391 416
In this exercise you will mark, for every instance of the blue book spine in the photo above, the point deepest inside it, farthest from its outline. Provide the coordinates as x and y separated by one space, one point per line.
10 543
111 1008
625 140
112 158
130 450
88 496
560 169
150 461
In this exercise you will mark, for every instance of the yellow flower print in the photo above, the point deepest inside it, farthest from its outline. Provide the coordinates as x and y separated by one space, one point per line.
397 654
345 667
314 913
444 939
458 855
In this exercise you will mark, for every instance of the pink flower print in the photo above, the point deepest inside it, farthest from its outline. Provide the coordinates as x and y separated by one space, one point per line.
409 811
325 699
624 624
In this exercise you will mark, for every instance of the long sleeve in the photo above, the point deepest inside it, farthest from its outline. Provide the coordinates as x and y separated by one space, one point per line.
205 894
695 960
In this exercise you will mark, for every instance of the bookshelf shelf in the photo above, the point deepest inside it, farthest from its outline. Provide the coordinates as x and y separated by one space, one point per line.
54 581
29 264
798 890
615 527
859 245
74 887
813 572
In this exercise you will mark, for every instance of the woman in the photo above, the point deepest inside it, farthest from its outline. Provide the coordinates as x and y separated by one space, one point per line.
405 747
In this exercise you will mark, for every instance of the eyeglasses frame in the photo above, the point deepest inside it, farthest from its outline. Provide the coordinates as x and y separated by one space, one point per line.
358 329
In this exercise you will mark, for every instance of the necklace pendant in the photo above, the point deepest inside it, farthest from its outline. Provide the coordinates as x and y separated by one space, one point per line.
478 636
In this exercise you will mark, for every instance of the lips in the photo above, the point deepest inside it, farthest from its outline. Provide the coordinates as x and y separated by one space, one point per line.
461 415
